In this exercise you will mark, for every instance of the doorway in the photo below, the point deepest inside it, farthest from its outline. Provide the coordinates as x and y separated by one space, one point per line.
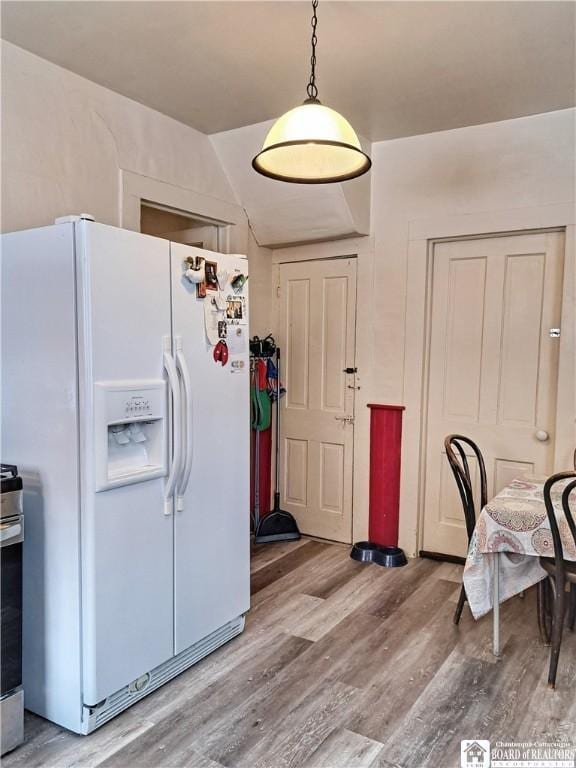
495 307
181 227
318 342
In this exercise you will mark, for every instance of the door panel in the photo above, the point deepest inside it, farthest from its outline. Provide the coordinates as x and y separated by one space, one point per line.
332 477
505 471
298 297
296 472
464 324
318 316
127 552
493 367
334 343
521 323
211 532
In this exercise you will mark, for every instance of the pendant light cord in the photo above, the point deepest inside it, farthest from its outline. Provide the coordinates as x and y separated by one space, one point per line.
311 88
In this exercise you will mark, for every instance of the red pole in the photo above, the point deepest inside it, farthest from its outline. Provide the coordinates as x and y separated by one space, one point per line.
385 449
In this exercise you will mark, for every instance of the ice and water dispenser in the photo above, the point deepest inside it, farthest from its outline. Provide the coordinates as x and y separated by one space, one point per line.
130 425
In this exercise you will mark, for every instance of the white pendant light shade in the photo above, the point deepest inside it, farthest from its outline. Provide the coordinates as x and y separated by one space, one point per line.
311 144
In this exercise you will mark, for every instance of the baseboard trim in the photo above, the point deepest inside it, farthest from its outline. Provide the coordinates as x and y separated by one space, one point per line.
445 558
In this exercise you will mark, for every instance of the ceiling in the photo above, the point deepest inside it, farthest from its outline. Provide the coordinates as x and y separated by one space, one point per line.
393 68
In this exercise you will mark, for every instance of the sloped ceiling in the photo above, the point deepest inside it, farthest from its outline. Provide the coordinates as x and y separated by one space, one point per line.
281 213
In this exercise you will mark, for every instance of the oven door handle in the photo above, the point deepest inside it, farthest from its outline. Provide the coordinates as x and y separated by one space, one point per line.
11 532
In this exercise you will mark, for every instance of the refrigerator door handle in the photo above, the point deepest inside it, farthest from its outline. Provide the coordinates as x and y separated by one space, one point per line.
170 367
187 422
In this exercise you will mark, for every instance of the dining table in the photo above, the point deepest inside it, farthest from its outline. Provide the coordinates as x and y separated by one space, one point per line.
512 532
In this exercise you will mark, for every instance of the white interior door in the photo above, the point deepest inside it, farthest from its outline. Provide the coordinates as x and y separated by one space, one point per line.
317 337
493 367
211 529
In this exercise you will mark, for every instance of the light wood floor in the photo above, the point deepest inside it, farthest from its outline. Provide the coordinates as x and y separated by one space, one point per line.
341 664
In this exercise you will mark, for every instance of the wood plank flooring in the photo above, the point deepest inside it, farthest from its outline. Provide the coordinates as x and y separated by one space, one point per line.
341 665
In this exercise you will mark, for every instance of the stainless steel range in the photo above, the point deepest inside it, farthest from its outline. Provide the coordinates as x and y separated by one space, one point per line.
12 536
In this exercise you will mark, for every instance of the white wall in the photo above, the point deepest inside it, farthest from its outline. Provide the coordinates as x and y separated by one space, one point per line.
260 285
515 164
520 163
65 141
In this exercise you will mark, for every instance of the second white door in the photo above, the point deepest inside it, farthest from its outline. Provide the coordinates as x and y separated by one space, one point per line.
317 338
493 367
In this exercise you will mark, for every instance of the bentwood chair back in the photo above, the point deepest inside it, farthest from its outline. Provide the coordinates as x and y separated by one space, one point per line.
455 446
459 464
560 571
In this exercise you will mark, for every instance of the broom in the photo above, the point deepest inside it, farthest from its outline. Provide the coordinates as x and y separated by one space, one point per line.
277 525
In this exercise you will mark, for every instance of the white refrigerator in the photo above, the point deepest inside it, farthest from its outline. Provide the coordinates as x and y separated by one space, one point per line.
134 444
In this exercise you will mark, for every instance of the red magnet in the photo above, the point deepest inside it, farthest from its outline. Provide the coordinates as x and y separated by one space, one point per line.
220 353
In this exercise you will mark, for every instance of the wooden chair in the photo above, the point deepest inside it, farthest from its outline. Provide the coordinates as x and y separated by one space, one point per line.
560 573
458 461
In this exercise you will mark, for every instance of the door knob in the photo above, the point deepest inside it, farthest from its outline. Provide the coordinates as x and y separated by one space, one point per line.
345 419
541 435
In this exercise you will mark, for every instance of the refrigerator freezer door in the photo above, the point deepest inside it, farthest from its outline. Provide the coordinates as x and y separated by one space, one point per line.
127 547
40 434
211 530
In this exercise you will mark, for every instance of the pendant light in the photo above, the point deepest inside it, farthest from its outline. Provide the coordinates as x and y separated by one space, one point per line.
312 144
